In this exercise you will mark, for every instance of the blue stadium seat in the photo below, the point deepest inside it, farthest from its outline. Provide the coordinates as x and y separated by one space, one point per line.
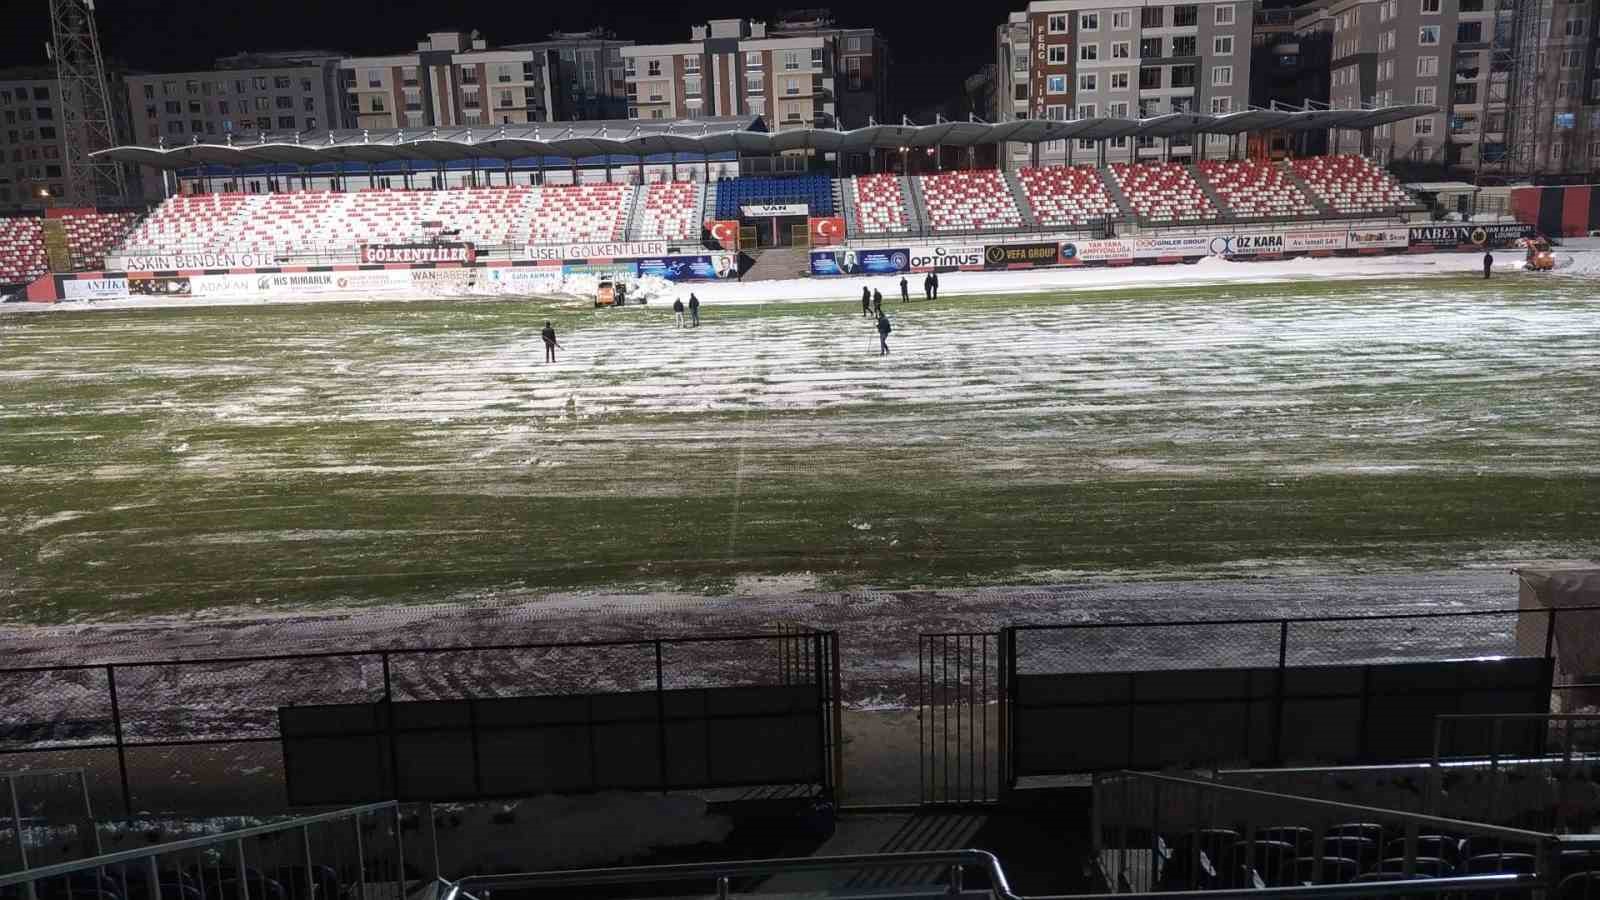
816 191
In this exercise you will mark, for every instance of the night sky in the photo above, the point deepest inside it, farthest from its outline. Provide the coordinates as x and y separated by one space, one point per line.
935 46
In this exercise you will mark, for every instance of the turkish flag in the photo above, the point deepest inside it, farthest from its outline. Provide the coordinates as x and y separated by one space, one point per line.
827 231
725 232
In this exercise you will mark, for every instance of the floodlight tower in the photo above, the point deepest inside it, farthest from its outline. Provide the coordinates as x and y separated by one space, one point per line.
86 109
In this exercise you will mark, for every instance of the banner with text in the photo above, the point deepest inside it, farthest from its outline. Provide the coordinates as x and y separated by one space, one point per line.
419 253
597 250
1016 256
94 288
767 210
177 261
689 268
946 257
859 262
1318 239
1467 236
1172 245
1104 250
1249 244
523 279
1377 238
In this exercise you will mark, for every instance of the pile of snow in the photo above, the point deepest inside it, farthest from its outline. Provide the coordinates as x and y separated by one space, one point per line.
648 287
1580 262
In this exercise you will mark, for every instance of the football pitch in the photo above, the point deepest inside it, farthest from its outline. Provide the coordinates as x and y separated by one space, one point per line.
171 460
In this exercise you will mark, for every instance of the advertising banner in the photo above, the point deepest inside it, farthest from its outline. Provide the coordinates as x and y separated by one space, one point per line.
1097 251
94 288
758 210
160 286
689 268
173 262
859 262
946 257
1172 245
1321 239
1377 238
223 285
522 279
602 270
725 232
825 232
298 283
1467 236
597 250
1008 256
1246 244
419 253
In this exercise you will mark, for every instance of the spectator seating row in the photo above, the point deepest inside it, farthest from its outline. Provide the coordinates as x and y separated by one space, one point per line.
815 191
22 256
1256 190
880 204
1351 184
1163 193
671 211
90 236
970 200
1067 196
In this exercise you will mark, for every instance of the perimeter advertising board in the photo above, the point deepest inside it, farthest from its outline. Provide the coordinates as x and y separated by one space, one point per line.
597 250
454 252
523 279
1314 240
1105 250
1172 245
1378 239
1248 244
94 288
1463 237
689 268
946 257
172 262
1020 256
860 262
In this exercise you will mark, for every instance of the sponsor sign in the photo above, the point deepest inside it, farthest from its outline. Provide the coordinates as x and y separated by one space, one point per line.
419 253
1002 256
689 268
160 286
172 262
1172 245
1456 236
523 279
297 283
94 288
725 232
1389 238
1097 250
757 210
825 232
222 285
859 262
602 270
1298 241
1245 244
443 278
940 258
598 250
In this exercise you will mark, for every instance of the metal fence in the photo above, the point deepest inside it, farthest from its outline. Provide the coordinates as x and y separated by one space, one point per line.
359 853
961 738
45 817
202 736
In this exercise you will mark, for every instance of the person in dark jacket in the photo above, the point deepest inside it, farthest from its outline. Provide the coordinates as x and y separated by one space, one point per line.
866 301
1488 263
883 334
677 312
905 292
550 344
927 286
694 310
877 303
935 277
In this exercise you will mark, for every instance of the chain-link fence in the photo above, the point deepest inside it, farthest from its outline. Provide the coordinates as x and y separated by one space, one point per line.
202 736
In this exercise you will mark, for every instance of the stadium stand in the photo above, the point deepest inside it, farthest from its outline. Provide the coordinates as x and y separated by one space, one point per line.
671 211
90 235
1163 193
975 200
290 223
22 256
816 191
1067 196
1351 184
583 212
880 204
198 222
1256 190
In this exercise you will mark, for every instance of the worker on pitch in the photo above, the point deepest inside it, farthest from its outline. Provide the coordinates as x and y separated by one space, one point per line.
550 343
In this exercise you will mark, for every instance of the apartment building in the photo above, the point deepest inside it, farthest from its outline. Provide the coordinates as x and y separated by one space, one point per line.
795 73
452 79
586 82
1466 57
1289 57
1071 59
33 141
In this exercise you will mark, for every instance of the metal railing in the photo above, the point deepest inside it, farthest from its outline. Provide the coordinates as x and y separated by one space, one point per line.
44 813
359 851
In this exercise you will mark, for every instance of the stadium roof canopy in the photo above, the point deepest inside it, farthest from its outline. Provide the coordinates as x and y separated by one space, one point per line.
708 137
